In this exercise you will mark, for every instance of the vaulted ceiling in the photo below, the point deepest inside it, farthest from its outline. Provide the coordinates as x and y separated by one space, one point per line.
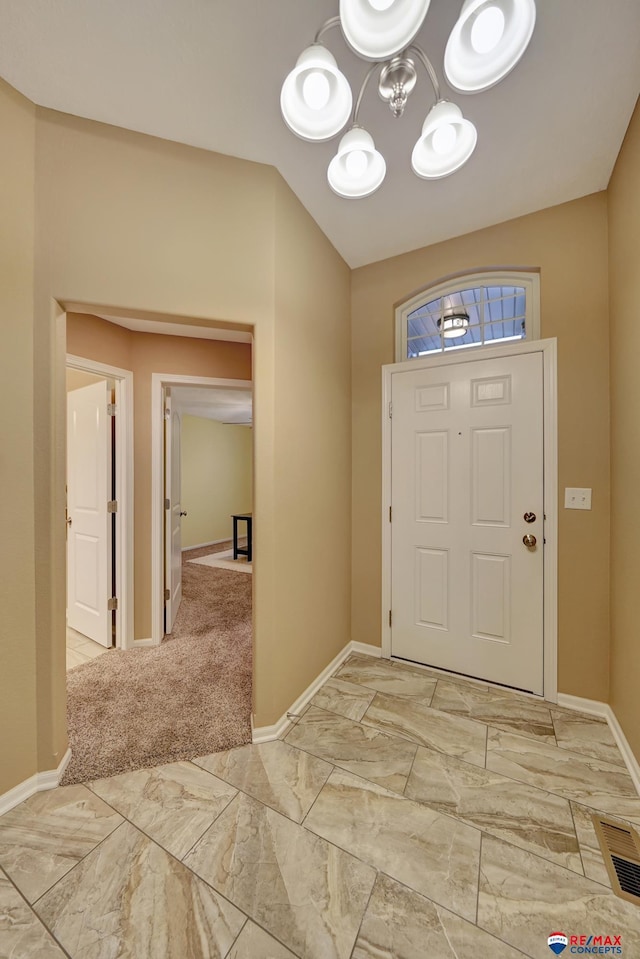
208 73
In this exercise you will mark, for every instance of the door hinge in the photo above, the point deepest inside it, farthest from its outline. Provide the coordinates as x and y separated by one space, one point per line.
389 514
390 410
167 504
112 409
112 506
112 603
390 618
167 414
167 594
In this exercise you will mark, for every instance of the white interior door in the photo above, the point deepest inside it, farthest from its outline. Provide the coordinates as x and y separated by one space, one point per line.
173 538
467 465
89 544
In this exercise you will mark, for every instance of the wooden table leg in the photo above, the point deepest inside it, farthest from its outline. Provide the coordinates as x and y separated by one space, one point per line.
235 537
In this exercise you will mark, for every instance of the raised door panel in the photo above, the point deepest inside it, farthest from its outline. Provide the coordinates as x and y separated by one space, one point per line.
86 573
491 597
432 477
430 399
432 588
491 476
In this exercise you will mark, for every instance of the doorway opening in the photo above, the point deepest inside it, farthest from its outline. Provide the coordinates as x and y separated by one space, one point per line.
219 450
159 695
208 494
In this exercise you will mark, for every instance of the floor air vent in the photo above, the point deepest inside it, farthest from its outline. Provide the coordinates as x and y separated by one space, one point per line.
621 850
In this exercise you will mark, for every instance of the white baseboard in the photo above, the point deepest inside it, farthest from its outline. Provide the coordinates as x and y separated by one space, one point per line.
592 706
51 779
627 753
141 643
596 708
212 542
264 734
18 794
34 784
365 649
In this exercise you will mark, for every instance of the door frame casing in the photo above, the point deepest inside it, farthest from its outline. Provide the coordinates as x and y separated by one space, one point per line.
548 349
124 490
158 382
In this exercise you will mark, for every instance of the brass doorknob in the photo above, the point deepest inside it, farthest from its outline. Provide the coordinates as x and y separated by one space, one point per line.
529 540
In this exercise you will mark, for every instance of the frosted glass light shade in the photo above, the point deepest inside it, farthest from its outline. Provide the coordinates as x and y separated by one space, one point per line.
487 42
357 169
316 98
446 143
454 324
377 30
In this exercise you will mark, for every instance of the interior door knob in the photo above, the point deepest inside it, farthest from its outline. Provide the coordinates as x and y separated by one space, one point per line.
529 540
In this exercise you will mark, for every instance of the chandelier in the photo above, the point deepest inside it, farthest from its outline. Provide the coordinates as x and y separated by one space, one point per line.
485 44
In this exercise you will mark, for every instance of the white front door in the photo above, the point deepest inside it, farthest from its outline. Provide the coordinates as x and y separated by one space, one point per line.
89 575
467 480
173 538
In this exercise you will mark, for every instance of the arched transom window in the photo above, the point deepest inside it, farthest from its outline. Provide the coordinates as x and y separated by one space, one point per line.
482 309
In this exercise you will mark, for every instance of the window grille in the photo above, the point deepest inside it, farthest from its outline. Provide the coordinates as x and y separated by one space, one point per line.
470 312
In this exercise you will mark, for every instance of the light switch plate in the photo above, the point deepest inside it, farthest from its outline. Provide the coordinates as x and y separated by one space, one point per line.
577 498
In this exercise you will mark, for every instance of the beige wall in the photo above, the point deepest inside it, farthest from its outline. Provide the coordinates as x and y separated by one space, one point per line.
568 244
76 379
312 458
216 478
144 354
92 338
18 708
624 267
129 222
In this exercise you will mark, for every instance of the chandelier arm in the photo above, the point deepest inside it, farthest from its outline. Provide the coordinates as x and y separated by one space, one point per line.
332 22
370 72
426 62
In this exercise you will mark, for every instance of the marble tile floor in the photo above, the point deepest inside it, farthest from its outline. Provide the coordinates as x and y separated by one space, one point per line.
405 815
81 649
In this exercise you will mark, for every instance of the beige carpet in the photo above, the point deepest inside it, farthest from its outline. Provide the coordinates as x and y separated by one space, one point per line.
188 697
224 560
